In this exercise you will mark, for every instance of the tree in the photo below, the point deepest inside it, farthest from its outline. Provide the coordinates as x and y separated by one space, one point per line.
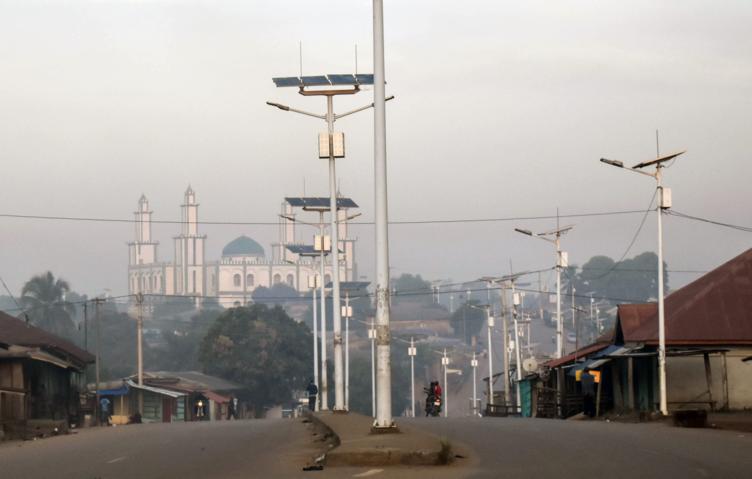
413 288
182 343
467 320
279 293
43 298
261 348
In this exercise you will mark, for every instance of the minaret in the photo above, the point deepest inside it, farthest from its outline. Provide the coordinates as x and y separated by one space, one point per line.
189 250
143 250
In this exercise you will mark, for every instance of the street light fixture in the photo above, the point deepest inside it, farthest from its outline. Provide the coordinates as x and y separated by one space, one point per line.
412 352
334 85
490 323
664 203
561 262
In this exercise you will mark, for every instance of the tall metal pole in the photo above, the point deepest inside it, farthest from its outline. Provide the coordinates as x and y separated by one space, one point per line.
339 390
490 323
347 350
505 345
372 336
315 341
98 358
661 310
517 356
384 378
412 353
474 364
86 326
324 386
140 350
559 322
445 363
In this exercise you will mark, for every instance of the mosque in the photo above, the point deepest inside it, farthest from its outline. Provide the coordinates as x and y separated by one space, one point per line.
243 266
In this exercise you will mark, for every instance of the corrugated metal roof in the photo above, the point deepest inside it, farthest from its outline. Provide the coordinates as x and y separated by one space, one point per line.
715 309
162 391
580 353
15 331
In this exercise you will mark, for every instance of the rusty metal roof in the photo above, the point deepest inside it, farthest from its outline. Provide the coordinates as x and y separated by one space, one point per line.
715 309
580 353
13 331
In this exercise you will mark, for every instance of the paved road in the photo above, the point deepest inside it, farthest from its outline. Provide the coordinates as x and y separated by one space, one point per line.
225 449
542 448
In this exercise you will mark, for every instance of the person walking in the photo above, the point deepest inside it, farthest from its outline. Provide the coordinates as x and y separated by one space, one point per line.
313 390
587 381
232 408
104 411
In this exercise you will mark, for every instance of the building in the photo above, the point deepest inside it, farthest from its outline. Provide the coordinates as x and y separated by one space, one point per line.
243 266
708 348
41 378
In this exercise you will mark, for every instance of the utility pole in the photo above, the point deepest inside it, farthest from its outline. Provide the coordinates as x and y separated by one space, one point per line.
411 351
86 326
372 337
474 365
490 323
347 314
383 336
445 363
313 284
98 362
140 350
505 332
324 386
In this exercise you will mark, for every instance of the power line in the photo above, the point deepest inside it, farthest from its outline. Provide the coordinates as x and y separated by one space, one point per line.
276 223
746 229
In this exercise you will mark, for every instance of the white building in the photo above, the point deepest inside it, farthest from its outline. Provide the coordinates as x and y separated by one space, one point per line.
243 266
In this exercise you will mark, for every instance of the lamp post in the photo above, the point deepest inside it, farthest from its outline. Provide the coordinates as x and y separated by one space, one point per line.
331 146
412 351
474 365
313 283
561 262
490 323
664 203
517 356
444 364
372 337
347 314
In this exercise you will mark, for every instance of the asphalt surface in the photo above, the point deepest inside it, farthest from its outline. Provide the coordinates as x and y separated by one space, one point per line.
492 448
225 449
543 448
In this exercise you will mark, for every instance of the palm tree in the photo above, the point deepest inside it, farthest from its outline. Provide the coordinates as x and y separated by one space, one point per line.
43 297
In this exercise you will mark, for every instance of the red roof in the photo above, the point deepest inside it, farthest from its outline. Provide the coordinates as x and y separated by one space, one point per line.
591 348
715 309
15 331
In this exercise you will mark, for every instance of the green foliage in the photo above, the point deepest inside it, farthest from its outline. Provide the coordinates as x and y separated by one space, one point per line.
634 279
467 320
261 348
280 293
414 288
43 298
182 343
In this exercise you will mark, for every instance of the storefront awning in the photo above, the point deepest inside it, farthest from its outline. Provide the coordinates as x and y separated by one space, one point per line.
163 392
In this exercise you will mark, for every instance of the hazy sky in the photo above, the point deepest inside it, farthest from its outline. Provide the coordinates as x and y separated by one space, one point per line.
503 110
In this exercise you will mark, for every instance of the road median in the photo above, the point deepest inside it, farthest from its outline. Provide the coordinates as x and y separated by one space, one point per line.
358 446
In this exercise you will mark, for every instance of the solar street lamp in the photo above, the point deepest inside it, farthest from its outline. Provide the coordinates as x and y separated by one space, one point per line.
313 283
444 364
331 146
561 262
664 203
490 323
474 365
412 352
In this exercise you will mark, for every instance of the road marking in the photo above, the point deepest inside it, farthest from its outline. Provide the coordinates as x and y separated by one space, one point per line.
117 459
372 472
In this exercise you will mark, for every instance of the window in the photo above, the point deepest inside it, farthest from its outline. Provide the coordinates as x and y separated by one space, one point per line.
236 280
277 279
290 280
327 279
249 280
194 280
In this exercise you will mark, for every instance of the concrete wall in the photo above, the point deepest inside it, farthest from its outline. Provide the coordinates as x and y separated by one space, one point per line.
686 381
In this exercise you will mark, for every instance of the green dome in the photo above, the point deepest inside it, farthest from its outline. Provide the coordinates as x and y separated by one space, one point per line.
243 246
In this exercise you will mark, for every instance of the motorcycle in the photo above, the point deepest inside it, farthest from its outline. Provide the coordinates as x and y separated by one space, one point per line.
433 403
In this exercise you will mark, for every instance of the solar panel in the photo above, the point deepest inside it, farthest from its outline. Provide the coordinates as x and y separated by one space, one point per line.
364 78
316 80
286 81
345 79
319 202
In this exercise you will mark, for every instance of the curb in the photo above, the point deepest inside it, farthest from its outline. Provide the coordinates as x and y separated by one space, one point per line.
385 456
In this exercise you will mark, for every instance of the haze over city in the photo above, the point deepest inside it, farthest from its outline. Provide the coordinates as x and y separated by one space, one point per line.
502 110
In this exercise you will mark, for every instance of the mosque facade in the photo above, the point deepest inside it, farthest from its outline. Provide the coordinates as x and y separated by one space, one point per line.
243 266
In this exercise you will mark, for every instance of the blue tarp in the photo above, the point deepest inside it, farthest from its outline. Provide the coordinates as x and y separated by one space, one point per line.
121 391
